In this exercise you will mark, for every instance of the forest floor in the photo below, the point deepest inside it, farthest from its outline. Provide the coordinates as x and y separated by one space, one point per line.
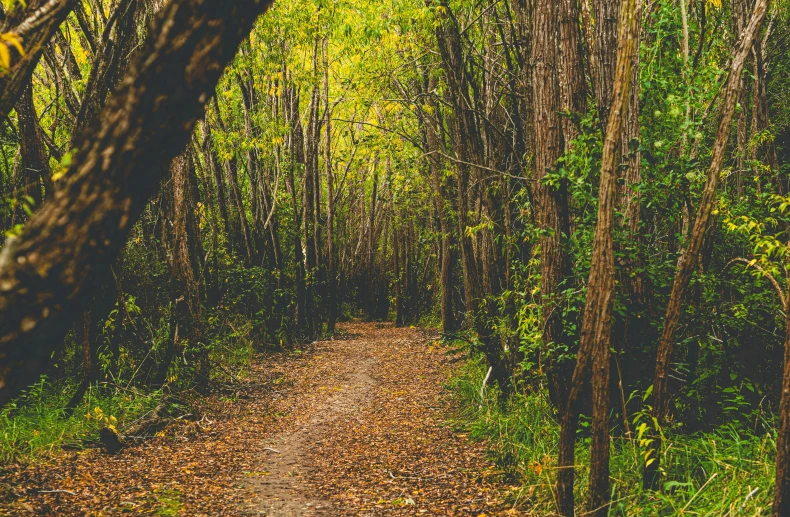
358 425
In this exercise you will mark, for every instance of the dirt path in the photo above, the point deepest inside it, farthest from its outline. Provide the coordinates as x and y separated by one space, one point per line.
356 426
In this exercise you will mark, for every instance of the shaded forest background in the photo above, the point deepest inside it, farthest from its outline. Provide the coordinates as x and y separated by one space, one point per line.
561 187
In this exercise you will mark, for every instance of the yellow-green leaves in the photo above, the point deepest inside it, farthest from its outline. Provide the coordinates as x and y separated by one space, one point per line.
8 40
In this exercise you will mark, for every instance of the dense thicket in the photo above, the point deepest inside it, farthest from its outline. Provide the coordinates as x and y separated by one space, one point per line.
594 194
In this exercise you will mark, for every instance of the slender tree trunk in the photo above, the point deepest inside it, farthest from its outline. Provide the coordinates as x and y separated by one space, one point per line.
297 162
690 256
781 502
33 168
88 362
597 322
331 275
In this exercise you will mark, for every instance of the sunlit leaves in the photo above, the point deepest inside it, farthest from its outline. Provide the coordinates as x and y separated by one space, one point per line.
7 41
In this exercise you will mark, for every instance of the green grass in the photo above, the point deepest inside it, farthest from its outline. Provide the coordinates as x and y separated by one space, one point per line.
169 502
725 472
35 424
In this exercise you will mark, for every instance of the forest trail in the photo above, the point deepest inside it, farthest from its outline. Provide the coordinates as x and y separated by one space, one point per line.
352 426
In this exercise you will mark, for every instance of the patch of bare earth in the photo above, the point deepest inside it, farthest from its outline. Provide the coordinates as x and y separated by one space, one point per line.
355 426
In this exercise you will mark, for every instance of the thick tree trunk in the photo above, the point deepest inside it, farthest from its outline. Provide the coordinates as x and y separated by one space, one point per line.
186 267
551 203
573 90
605 14
117 168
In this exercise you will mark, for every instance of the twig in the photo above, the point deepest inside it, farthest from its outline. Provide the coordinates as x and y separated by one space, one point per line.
272 450
56 492
699 491
483 386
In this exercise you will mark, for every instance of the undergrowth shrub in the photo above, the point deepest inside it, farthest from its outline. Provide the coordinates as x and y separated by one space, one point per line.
726 471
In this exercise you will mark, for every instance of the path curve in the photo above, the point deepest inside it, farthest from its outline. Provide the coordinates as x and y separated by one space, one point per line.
351 426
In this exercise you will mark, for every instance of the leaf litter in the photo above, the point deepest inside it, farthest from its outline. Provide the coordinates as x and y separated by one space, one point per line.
353 426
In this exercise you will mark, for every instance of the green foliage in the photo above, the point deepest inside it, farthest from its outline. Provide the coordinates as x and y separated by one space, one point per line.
721 472
35 425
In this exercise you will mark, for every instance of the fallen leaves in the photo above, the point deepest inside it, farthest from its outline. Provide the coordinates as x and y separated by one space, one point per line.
378 443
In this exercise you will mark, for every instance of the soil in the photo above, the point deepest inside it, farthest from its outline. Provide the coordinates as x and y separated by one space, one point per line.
360 425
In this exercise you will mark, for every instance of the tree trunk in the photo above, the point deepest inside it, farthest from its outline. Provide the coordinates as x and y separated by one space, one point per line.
42 20
331 275
595 340
467 147
297 163
573 91
690 256
551 203
118 167
605 33
781 503
186 267
33 171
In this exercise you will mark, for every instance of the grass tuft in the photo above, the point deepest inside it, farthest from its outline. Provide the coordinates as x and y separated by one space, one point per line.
726 472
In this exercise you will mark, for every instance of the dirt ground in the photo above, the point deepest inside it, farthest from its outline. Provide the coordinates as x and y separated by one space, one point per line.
352 426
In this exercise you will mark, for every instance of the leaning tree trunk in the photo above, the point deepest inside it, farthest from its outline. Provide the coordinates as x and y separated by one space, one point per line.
118 167
688 260
42 20
597 320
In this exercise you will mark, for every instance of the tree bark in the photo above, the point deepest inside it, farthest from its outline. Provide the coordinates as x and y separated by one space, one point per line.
550 202
42 20
597 321
118 167
186 267
573 91
331 275
688 260
605 33
34 170
781 502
